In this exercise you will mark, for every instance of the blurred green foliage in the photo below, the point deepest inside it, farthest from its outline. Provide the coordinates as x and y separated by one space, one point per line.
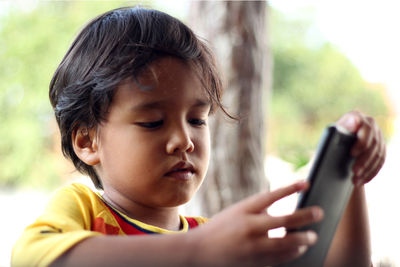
32 43
313 85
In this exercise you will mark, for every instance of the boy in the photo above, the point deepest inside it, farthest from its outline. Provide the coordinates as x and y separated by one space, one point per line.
132 97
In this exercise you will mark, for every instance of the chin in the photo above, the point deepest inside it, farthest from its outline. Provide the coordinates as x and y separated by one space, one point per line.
178 200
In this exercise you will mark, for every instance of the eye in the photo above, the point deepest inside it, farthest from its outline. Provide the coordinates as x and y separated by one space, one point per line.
150 124
197 122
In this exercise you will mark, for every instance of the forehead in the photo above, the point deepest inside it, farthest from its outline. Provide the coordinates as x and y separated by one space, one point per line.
166 81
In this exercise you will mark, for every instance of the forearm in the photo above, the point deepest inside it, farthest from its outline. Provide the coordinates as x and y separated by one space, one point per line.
154 250
351 243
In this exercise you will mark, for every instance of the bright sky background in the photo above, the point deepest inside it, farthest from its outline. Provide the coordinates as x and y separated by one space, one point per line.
367 31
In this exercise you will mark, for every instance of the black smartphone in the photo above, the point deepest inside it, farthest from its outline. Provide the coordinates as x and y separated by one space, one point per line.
331 185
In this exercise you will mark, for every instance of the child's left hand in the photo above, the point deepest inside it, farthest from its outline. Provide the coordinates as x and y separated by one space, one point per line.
369 149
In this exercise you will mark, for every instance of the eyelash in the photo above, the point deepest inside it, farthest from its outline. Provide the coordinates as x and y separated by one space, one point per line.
151 125
156 124
197 122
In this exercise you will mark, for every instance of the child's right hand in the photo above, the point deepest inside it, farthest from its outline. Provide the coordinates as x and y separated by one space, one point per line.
238 236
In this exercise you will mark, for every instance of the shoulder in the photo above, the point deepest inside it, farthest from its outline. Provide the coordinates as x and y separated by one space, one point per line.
75 204
75 188
66 220
75 193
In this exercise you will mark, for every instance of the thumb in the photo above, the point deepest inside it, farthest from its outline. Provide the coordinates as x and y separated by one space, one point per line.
349 121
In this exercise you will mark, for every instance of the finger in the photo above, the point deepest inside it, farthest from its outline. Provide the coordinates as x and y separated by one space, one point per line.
292 246
259 202
265 258
365 175
367 135
285 256
263 222
381 157
290 241
350 121
363 126
298 219
273 251
365 160
371 161
371 172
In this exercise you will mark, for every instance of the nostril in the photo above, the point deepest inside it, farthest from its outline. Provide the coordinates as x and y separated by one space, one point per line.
190 147
179 139
180 145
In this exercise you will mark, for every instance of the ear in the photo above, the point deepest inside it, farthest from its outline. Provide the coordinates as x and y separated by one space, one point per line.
84 141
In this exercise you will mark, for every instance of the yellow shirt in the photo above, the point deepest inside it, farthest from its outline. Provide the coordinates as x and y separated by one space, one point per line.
73 214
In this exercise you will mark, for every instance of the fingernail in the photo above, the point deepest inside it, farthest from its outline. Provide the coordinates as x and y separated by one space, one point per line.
302 249
312 237
350 124
317 213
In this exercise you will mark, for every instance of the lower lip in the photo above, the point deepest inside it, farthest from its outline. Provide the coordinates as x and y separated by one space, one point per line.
180 175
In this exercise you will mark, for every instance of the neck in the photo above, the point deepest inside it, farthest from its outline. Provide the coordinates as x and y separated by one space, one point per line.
166 217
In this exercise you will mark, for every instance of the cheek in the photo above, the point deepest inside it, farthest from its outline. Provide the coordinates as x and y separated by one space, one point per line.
204 147
208 147
122 152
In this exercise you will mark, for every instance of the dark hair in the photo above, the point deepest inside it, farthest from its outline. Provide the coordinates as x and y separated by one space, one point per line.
111 48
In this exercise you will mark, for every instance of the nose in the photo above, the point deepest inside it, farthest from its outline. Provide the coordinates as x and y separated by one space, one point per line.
179 140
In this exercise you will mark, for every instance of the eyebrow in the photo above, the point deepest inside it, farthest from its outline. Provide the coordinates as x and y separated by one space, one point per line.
199 103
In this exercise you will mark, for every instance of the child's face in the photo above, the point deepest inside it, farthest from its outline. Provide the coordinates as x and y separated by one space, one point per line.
154 147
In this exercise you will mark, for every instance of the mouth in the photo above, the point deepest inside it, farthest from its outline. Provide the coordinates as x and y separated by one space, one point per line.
181 171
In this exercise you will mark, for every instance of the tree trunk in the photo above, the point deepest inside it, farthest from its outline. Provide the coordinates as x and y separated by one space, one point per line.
237 34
